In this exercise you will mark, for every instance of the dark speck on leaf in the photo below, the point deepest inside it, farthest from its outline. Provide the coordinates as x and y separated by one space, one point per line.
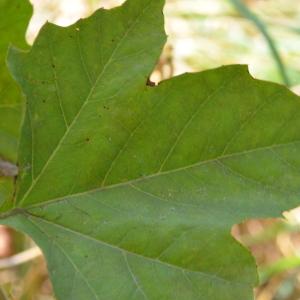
150 83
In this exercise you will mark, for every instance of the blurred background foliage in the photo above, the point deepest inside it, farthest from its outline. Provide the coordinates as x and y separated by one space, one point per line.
264 34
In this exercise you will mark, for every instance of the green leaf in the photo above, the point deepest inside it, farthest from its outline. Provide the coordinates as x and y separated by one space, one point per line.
13 22
6 190
130 190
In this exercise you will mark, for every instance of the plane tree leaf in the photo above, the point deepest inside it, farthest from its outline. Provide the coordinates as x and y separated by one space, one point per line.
130 190
14 18
15 15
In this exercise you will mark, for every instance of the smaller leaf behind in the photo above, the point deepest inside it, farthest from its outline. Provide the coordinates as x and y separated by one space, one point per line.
15 15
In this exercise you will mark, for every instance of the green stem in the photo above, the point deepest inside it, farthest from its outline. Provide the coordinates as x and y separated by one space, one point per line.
282 265
247 13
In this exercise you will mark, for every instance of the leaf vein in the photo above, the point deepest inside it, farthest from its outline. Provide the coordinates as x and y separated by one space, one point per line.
198 164
86 237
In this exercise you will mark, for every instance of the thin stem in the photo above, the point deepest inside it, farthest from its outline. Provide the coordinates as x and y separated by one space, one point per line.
247 13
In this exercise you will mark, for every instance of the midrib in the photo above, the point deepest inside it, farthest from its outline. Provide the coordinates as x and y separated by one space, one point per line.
151 176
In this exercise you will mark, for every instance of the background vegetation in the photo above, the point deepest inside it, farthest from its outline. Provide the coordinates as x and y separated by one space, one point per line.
202 34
